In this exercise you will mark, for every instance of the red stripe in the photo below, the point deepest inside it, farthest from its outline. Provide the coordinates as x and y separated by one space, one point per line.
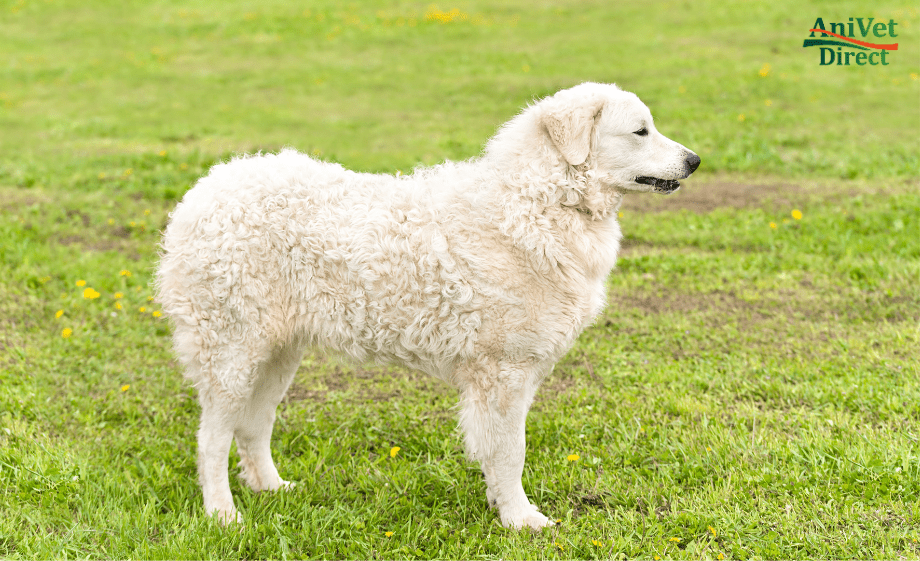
891 47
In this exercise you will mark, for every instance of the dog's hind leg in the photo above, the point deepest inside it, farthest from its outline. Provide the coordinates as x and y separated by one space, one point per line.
254 426
219 415
226 390
493 415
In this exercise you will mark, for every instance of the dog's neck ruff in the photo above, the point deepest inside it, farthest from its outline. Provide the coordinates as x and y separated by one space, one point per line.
595 198
548 212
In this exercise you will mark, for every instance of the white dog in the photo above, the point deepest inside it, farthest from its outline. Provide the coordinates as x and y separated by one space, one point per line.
481 273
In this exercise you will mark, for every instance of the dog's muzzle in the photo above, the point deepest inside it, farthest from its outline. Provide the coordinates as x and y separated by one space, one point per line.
661 185
691 162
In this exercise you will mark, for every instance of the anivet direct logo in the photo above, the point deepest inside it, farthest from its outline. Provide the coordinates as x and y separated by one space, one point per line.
843 36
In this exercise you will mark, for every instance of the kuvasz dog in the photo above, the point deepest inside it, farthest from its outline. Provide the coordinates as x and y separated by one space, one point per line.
481 273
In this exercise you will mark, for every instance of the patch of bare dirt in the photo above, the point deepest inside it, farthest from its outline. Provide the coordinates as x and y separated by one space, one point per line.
297 392
713 309
87 245
15 199
668 301
806 303
360 384
121 232
707 194
84 218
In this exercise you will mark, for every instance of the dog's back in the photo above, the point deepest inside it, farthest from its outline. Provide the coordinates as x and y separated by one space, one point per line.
269 248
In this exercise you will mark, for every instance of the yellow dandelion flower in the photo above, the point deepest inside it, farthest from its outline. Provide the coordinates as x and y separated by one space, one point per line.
125 387
765 70
573 457
150 298
797 214
388 534
132 224
773 225
620 215
90 294
111 221
708 449
101 175
434 14
768 102
67 332
119 295
914 76
142 309
559 545
657 557
675 540
394 450
162 152
81 282
128 172
713 530
720 557
58 314
597 543
157 313
183 165
125 272
118 305
146 212
741 117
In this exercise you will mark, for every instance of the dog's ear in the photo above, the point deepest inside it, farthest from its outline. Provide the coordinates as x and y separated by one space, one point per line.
569 123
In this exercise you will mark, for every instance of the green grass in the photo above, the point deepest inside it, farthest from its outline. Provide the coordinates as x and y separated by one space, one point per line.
751 392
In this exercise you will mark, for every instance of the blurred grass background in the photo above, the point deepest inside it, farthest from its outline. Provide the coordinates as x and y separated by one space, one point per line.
385 88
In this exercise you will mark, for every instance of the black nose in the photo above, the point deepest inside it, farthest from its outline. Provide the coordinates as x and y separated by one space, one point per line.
693 162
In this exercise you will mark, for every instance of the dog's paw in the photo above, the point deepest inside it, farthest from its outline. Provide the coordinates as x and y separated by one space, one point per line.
285 485
259 482
227 517
527 517
537 521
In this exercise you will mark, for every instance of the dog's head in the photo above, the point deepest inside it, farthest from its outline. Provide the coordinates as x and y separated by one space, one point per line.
613 130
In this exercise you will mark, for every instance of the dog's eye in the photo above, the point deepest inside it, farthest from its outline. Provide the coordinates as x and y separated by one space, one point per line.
642 132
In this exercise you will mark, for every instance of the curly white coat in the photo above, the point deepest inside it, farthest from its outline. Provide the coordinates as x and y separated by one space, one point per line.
481 273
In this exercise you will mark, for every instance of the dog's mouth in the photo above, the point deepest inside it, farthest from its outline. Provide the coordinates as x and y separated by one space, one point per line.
664 186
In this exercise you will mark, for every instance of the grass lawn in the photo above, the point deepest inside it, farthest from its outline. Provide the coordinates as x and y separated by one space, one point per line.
751 391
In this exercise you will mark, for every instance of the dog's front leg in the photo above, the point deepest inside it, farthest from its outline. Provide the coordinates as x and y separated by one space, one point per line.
493 415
